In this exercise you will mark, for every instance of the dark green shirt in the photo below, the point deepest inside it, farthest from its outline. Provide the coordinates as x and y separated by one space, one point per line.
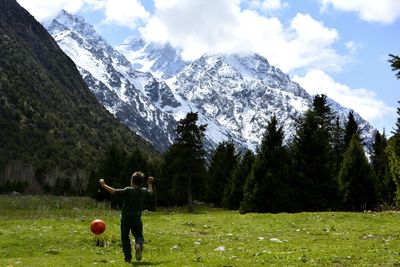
133 199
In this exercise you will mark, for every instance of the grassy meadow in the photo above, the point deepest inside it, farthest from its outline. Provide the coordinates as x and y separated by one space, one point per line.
54 231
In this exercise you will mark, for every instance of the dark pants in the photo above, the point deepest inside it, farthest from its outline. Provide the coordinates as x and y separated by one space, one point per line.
134 225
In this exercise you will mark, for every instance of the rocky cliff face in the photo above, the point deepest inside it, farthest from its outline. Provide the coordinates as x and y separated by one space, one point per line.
53 129
149 87
135 97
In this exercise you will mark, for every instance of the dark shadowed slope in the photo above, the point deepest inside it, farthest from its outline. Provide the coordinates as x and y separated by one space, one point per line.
51 126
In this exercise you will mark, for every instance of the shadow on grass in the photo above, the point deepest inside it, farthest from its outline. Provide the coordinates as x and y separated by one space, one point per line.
147 263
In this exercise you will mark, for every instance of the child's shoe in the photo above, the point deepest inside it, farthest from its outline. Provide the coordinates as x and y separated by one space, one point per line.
138 252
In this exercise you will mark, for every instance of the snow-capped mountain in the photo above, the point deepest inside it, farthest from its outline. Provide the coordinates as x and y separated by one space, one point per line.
135 97
162 60
235 95
143 103
241 93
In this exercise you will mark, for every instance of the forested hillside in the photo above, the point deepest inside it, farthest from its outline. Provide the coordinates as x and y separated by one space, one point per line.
51 126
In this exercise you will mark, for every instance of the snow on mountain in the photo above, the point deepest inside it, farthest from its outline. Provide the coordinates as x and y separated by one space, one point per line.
135 97
143 103
241 93
162 60
235 95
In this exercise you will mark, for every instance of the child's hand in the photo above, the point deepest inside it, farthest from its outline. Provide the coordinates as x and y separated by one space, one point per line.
101 181
150 180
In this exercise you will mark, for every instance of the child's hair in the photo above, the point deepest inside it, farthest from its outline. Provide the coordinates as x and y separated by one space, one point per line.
137 178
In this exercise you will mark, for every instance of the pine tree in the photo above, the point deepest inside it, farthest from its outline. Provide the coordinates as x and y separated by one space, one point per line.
380 165
337 145
395 64
134 161
316 185
172 183
233 193
223 161
351 129
267 185
187 164
111 168
393 148
358 185
394 165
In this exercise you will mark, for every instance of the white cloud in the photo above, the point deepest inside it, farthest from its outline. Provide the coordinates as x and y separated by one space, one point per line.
271 5
267 6
363 101
125 12
43 10
353 47
220 26
382 11
122 12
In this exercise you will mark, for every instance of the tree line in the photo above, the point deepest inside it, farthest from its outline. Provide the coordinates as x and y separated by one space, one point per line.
323 167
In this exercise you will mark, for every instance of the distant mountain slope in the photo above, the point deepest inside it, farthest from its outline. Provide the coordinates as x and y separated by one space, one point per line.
141 101
163 61
242 92
51 126
235 95
135 97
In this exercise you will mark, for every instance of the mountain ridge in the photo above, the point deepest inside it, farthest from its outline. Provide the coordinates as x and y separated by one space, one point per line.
235 94
52 127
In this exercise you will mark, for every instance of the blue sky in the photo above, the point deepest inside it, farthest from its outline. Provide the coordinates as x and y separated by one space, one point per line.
336 47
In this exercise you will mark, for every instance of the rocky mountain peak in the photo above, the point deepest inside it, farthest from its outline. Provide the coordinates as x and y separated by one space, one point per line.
162 60
236 94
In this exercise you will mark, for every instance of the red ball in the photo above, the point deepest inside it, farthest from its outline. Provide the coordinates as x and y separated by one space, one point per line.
97 227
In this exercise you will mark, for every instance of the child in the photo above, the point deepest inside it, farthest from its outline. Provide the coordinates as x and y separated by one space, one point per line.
133 198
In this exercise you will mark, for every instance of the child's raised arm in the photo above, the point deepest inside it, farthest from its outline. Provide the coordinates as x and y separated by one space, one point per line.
106 187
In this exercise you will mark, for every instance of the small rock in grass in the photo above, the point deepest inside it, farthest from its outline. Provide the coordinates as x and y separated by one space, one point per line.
220 248
368 237
261 238
196 243
274 239
176 247
52 251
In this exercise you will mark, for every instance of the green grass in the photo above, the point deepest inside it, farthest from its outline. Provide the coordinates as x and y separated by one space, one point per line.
54 231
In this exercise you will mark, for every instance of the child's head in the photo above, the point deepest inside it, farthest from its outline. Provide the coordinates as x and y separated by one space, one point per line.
137 179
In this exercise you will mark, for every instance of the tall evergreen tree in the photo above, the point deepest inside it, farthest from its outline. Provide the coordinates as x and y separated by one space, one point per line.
393 148
110 167
395 64
357 181
186 160
337 145
394 165
380 164
267 186
223 161
316 185
393 151
233 193
351 128
171 184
